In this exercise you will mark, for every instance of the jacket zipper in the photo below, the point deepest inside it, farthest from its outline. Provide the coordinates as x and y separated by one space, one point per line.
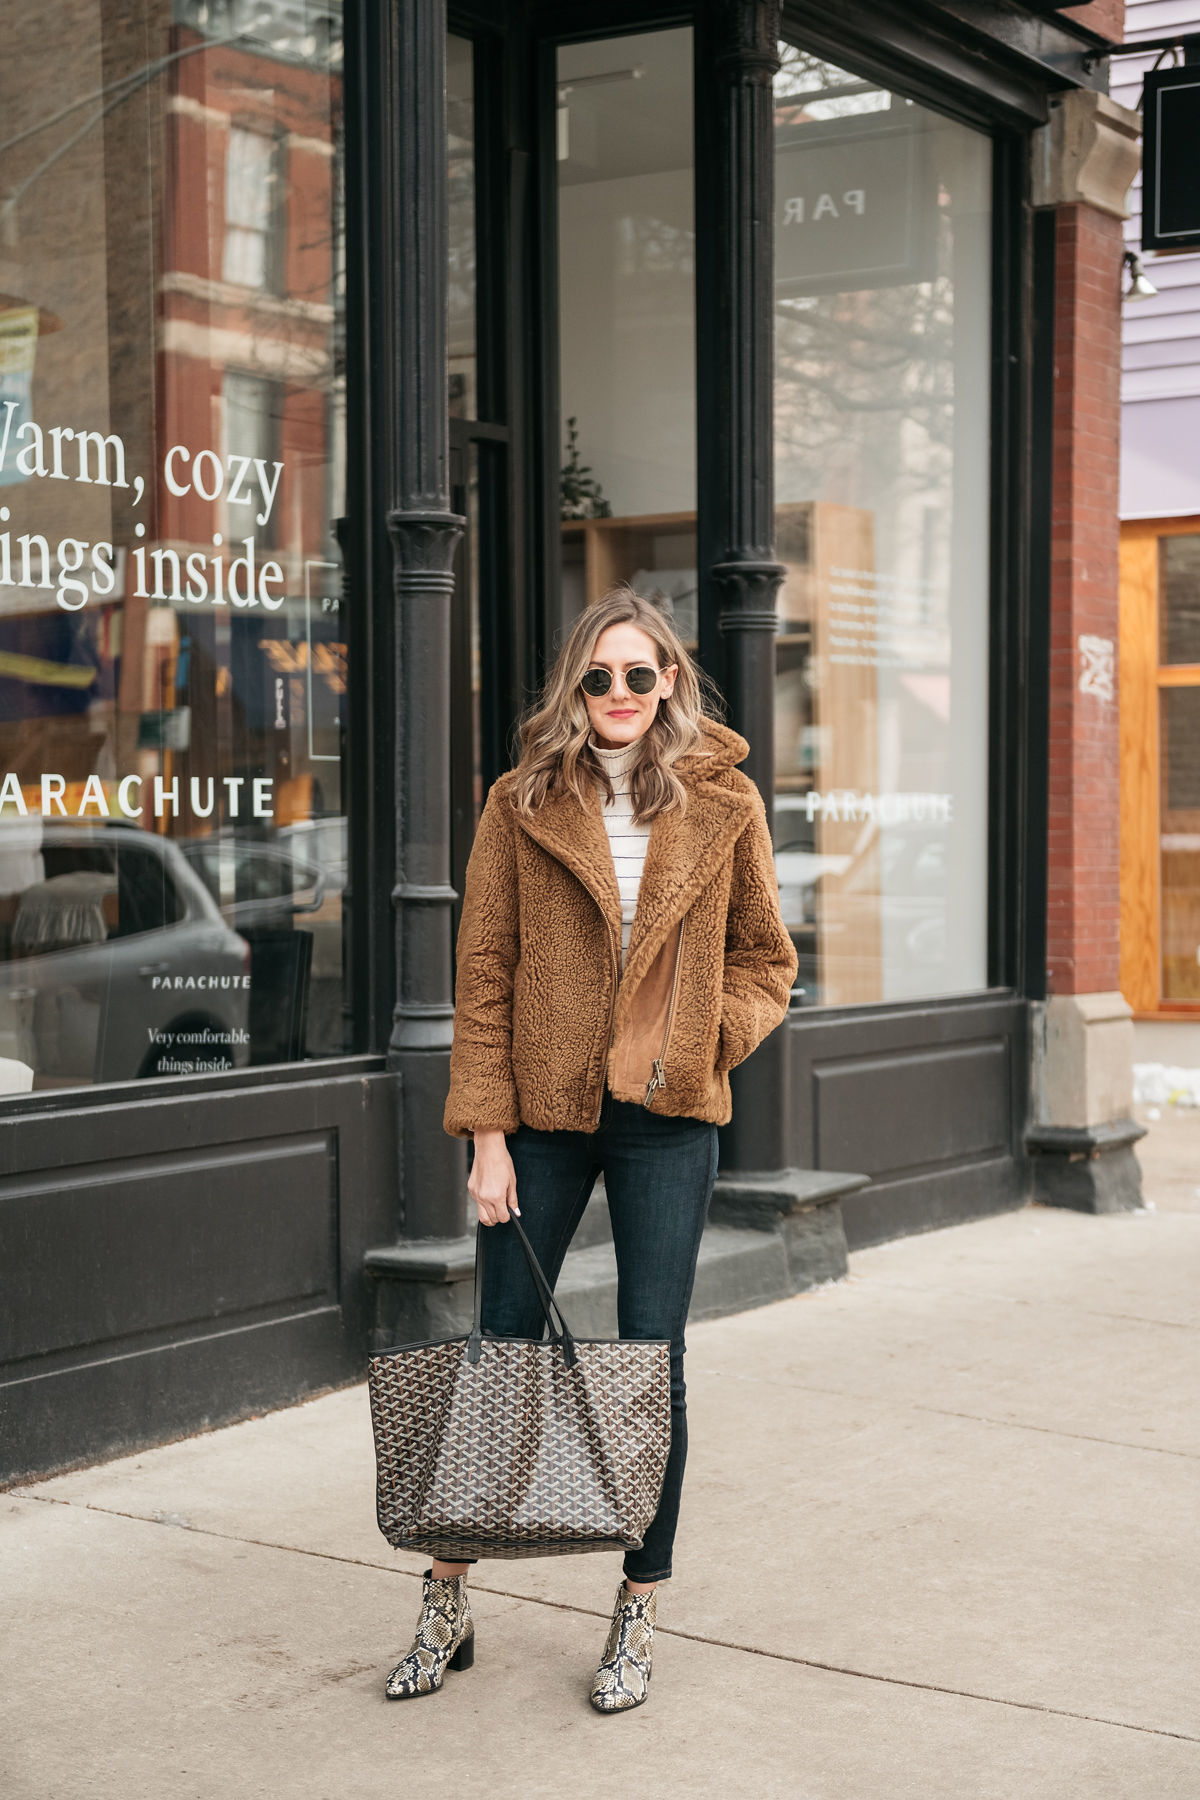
612 1005
658 1078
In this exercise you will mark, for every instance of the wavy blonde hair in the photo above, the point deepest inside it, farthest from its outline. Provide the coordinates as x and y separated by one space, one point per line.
555 755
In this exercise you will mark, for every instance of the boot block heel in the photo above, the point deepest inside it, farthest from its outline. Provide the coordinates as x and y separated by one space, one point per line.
445 1619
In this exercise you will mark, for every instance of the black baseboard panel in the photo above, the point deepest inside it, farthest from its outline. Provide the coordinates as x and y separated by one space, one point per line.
903 1207
93 1411
182 1257
928 1101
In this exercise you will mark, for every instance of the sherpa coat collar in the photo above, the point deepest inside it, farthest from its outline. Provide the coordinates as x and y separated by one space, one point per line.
684 848
545 1016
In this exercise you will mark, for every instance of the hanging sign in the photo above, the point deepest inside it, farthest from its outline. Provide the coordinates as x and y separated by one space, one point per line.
854 208
1171 136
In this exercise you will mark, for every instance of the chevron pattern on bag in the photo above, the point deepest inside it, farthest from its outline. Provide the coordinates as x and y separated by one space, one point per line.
520 1454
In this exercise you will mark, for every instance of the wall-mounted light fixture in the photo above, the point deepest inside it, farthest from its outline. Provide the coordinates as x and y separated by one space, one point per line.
586 81
1140 285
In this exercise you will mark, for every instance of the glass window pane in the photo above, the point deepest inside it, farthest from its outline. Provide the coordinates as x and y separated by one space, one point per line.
1180 589
172 665
460 147
1180 842
627 320
883 308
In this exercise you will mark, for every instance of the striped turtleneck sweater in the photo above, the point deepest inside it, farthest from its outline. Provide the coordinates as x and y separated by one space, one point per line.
626 839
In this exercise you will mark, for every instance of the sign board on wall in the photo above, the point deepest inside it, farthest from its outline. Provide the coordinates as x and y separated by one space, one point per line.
853 206
1171 136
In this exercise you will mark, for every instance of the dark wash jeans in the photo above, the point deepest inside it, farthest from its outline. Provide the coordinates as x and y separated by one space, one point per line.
658 1174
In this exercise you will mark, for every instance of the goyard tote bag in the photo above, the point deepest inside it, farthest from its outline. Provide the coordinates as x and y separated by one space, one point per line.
508 1447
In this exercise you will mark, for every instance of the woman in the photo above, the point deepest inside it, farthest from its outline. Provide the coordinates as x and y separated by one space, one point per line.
621 949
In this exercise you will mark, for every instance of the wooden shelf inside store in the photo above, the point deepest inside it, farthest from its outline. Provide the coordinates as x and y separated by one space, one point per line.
605 551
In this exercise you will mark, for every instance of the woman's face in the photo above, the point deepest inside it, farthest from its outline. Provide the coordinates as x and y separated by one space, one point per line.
621 717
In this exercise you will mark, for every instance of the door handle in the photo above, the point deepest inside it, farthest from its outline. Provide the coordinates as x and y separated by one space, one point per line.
158 968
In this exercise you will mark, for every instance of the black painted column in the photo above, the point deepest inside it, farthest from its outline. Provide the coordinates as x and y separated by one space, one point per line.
423 534
738 55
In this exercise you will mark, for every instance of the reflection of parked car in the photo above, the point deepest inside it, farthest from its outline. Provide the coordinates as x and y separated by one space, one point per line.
798 869
114 960
255 882
324 842
894 878
290 883
320 841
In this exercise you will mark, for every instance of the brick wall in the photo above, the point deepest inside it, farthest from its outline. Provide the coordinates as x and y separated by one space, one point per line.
1083 920
1105 17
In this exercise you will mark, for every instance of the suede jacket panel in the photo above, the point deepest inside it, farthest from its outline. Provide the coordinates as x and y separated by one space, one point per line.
545 1017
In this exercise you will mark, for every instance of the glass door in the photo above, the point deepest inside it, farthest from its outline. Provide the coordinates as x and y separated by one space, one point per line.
1179 768
882 355
1160 765
626 293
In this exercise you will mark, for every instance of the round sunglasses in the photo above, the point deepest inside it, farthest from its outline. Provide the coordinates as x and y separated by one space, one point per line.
641 680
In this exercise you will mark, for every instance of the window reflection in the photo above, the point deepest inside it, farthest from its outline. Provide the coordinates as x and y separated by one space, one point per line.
626 246
882 316
460 213
250 174
1179 770
172 663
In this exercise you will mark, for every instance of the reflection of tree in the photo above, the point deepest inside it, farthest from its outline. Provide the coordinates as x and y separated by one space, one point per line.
864 387
460 124
650 246
808 87
852 371
307 32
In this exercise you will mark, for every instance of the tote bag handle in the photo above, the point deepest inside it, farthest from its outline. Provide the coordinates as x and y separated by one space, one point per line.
560 1334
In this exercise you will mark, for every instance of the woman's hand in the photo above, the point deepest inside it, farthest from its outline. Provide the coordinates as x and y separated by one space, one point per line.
493 1180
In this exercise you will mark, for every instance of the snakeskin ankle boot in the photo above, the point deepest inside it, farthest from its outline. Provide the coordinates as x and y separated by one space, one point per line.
623 1678
445 1639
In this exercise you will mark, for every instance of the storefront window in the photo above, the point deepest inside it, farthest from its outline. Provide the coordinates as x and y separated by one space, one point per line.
1179 623
882 281
627 320
172 662
1179 741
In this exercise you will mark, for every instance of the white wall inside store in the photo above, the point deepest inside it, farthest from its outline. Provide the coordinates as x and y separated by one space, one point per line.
628 336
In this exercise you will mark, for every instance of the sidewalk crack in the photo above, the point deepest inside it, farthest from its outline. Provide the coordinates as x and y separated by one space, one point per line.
692 1637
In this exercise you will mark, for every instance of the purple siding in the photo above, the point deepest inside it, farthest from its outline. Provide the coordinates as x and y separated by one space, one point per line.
1160 387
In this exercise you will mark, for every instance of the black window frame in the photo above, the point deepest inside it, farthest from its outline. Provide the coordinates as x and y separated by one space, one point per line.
1005 104
515 50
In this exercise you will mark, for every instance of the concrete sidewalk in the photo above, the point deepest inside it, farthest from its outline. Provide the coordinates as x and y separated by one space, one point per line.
940 1538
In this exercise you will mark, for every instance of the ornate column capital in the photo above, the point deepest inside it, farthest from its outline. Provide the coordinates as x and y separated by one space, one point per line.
747 34
423 545
748 594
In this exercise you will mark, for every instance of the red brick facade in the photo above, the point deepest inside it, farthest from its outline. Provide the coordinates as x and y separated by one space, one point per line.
1105 17
1083 922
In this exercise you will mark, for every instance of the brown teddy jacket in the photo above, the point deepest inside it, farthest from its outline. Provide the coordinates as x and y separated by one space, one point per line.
544 1015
